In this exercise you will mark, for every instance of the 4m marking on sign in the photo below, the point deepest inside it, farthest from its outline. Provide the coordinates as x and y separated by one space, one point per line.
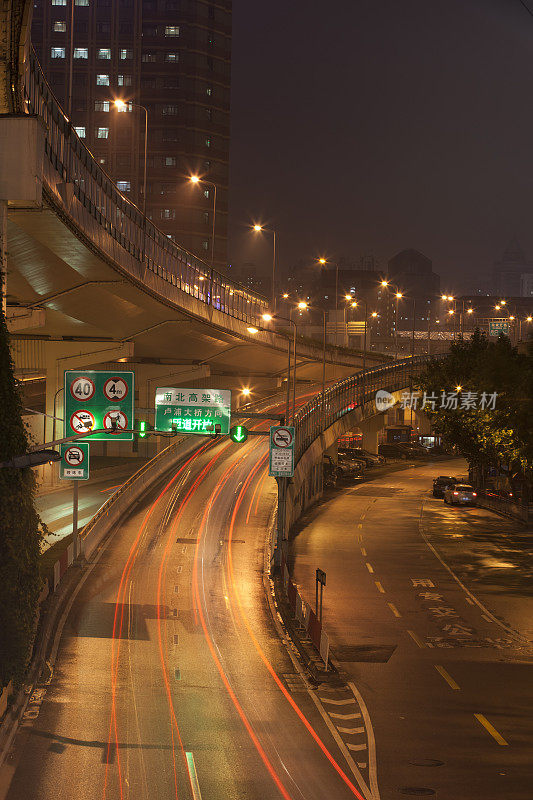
115 388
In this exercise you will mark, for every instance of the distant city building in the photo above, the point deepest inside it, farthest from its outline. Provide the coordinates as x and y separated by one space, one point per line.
172 57
512 273
412 273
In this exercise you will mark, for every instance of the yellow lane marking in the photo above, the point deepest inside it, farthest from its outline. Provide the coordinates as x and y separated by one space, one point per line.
447 677
359 525
363 551
380 587
491 729
416 639
369 567
394 610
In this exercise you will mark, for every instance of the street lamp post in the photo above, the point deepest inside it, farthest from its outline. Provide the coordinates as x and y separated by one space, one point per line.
196 180
262 229
120 105
269 318
398 295
302 306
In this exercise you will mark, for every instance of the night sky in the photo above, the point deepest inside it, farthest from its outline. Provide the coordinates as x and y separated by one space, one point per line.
374 125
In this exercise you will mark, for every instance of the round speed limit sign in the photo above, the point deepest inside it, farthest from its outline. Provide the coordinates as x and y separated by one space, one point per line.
82 388
115 388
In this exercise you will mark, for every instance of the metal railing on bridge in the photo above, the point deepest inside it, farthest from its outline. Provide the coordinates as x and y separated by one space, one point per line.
113 224
348 394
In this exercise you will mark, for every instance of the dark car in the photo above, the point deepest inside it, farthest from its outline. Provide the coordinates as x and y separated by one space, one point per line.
350 471
330 472
391 451
370 459
440 484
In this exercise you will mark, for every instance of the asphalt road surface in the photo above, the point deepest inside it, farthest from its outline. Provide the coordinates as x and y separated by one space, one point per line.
172 680
430 614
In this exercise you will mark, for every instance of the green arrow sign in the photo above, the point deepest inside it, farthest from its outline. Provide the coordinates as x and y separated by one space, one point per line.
238 434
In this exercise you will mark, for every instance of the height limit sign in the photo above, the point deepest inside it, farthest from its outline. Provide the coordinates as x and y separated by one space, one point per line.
281 451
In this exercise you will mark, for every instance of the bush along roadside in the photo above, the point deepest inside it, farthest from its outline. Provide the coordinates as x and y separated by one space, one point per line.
20 531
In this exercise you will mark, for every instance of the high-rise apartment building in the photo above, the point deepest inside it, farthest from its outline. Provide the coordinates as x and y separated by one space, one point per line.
174 58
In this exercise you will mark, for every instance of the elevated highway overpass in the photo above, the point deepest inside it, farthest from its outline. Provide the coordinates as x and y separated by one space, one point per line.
90 281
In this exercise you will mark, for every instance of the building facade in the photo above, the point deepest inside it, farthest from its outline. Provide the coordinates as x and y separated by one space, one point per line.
174 58
512 273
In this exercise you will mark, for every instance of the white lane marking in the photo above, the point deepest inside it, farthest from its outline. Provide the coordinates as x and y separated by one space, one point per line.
478 603
350 730
342 746
379 587
372 763
338 702
356 746
394 609
363 551
193 777
344 716
178 569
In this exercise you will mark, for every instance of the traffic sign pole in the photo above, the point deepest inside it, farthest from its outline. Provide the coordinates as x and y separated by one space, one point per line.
75 518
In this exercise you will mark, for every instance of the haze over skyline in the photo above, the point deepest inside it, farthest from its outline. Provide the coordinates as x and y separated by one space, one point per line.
382 126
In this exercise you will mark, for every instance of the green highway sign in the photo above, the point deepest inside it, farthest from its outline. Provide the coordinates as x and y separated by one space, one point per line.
238 434
74 465
99 399
282 451
198 411
497 326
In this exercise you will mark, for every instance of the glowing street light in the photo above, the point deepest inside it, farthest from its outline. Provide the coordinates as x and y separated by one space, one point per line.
285 295
261 229
302 306
245 391
374 314
196 180
251 329
399 295
267 317
322 261
458 388
347 296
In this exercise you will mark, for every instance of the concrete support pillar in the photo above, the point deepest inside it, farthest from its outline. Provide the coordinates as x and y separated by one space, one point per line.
370 428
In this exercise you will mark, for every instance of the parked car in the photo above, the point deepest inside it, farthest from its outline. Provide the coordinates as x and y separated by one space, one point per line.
460 494
330 472
441 483
349 470
390 450
412 449
370 459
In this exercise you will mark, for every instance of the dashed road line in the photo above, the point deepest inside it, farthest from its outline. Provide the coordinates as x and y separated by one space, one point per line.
344 716
491 729
363 551
379 587
416 639
348 701
350 730
356 747
193 777
370 568
394 609
447 677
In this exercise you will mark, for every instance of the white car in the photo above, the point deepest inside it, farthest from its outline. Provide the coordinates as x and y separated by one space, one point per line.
460 494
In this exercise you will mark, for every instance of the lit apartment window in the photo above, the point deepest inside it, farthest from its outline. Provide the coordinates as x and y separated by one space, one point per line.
168 213
124 80
60 27
125 108
206 193
81 2
172 30
81 52
102 80
149 58
205 244
104 52
102 133
81 132
208 142
125 54
172 57
57 52
209 91
170 161
124 186
101 105
170 110
59 2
